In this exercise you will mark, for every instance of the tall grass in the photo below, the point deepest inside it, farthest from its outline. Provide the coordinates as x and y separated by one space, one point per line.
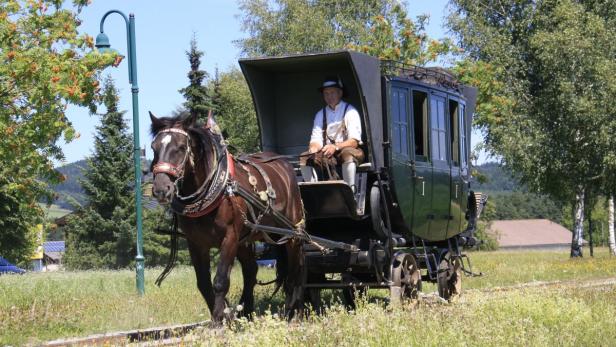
42 306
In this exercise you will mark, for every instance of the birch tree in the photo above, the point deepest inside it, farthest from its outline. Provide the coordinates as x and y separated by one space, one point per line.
544 72
610 225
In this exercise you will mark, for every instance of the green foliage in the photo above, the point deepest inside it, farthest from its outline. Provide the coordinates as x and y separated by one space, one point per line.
236 115
45 65
156 246
198 101
377 27
489 242
495 178
544 70
70 189
99 234
522 205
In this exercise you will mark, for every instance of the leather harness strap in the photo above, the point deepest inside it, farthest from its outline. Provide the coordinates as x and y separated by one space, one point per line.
324 126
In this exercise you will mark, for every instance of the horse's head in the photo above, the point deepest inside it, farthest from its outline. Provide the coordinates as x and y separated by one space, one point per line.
172 152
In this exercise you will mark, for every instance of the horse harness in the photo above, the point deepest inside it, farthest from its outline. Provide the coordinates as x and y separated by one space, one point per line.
221 182
209 195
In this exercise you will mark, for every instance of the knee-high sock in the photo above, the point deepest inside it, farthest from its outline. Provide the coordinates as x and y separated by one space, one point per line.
348 173
308 173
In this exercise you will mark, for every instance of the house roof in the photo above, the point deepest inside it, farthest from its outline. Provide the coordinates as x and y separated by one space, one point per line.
529 233
53 246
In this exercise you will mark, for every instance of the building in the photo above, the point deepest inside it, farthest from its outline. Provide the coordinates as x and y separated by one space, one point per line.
530 234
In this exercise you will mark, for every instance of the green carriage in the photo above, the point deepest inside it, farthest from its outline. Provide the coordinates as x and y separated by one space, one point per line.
413 210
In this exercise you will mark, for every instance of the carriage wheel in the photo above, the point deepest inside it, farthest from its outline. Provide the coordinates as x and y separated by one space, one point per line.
449 279
405 277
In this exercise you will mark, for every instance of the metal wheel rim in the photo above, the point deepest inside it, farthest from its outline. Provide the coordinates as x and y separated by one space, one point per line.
406 275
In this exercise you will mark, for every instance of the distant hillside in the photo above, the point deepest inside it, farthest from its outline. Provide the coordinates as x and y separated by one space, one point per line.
70 188
499 179
508 199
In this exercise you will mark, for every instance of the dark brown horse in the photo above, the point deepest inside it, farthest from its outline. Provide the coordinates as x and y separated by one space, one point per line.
194 172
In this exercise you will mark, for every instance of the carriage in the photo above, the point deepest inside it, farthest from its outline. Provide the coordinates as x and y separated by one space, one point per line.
413 211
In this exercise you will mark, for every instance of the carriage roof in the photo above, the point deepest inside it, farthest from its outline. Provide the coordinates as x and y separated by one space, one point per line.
285 95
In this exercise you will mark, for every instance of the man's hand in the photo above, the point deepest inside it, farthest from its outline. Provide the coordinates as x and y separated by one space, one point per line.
329 150
314 147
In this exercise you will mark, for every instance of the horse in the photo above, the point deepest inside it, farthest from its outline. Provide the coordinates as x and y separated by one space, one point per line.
195 174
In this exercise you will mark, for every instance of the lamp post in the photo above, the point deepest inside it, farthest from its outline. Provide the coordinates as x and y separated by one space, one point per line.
102 43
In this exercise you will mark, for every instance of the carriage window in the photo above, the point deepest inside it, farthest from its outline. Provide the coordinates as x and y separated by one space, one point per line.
420 121
455 130
463 144
400 121
439 129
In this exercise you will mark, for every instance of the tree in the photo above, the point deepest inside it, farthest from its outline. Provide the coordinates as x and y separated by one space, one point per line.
543 72
377 27
236 115
99 234
198 101
610 217
46 65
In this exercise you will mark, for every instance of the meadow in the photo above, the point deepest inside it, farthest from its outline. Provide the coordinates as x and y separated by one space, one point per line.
498 308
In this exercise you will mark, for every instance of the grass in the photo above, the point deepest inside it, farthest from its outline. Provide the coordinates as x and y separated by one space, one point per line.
43 306
54 211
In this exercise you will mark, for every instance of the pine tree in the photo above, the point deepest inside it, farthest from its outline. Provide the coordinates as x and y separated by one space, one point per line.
100 234
198 101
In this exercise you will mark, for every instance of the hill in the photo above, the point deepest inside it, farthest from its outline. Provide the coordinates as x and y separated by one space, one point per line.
498 179
509 199
70 189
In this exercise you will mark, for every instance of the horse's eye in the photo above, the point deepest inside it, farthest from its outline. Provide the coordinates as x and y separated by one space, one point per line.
183 148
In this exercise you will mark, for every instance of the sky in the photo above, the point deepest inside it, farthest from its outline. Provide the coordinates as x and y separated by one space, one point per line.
163 31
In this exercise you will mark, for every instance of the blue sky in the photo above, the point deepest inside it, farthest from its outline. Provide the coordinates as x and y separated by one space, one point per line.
163 33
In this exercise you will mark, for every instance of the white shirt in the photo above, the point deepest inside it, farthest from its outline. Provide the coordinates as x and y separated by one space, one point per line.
334 119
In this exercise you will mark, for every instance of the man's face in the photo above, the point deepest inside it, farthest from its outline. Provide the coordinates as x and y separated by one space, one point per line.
332 96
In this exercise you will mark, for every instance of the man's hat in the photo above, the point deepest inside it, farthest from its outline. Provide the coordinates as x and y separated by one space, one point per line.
332 81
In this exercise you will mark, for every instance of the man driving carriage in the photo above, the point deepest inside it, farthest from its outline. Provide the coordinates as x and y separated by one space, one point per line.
336 136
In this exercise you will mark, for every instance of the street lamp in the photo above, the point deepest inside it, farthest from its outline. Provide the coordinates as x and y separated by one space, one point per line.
102 43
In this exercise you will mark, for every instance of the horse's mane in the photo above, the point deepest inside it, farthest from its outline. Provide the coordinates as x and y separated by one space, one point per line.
168 122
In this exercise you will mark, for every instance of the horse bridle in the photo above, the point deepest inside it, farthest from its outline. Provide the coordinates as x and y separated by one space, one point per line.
175 171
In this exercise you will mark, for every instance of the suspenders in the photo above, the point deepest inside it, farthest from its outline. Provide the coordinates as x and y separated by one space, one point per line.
324 126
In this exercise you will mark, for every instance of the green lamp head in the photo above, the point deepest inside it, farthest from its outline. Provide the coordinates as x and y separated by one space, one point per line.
102 43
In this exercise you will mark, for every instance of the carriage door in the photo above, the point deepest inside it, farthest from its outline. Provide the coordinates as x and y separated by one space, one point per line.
464 158
456 195
400 130
441 180
421 168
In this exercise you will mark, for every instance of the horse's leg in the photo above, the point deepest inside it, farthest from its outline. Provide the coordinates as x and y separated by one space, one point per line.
294 290
228 251
246 256
201 262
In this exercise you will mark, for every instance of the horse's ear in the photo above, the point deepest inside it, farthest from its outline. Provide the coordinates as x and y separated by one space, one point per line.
156 123
190 121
